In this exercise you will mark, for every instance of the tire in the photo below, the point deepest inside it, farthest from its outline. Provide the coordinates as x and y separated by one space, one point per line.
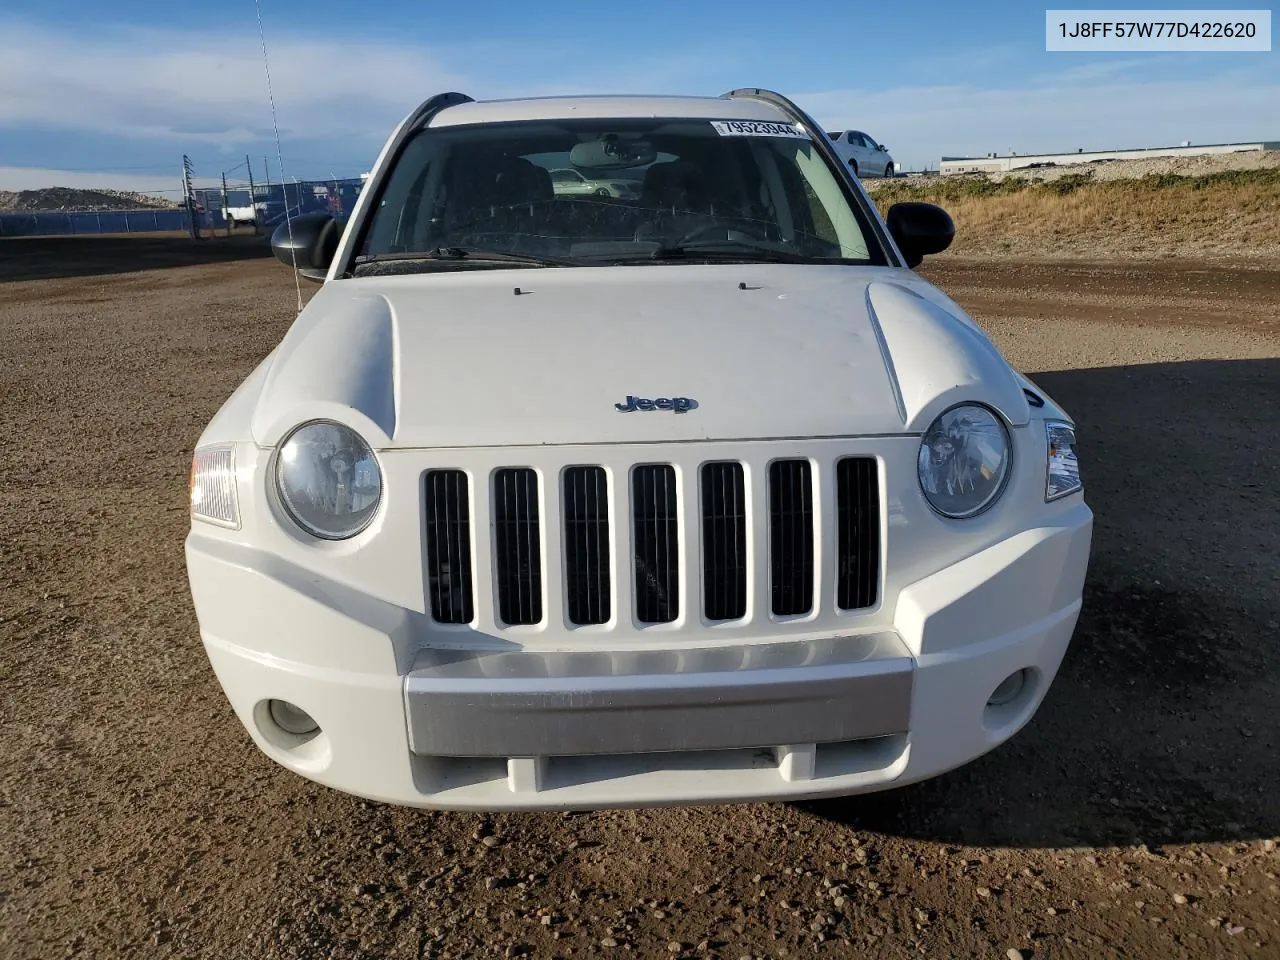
603 192
888 170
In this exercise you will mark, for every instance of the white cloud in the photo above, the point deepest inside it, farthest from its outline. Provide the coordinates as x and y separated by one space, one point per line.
1093 70
149 84
922 123
203 93
169 85
194 90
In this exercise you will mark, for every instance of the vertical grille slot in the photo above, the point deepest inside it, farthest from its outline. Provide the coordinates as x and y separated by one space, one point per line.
656 543
448 511
791 536
586 545
518 545
858 540
724 541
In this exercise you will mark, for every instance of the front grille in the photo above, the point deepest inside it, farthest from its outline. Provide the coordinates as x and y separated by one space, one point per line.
724 541
791 536
621 547
449 546
656 543
517 545
586 545
858 533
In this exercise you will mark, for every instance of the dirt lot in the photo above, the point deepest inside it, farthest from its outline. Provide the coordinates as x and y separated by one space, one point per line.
1136 816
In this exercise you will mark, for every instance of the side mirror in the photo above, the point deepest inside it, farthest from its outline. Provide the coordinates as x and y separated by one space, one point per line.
882 148
310 240
920 229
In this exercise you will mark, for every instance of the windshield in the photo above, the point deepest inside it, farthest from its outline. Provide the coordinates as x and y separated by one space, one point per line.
614 191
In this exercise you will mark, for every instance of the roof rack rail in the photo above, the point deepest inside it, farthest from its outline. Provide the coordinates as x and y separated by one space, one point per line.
778 100
433 105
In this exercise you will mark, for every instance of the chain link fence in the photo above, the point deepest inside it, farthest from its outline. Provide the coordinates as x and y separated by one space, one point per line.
270 201
265 207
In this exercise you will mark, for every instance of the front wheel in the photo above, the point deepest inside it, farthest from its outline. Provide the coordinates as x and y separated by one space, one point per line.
888 170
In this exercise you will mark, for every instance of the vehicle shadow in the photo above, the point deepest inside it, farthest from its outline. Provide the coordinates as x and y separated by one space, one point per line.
54 258
1161 726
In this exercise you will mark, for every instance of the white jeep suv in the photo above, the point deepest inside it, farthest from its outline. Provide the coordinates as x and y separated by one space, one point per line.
705 495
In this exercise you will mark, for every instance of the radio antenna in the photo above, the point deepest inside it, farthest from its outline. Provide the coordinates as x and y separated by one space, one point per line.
275 126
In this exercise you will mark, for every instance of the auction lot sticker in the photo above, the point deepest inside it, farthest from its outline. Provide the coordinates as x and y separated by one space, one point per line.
758 128
1177 31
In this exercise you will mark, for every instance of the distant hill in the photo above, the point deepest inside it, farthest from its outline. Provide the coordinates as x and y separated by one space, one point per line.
67 198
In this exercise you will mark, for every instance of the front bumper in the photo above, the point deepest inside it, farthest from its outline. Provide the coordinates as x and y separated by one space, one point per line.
526 704
505 727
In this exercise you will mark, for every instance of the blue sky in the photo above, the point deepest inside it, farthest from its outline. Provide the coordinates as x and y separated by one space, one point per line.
113 93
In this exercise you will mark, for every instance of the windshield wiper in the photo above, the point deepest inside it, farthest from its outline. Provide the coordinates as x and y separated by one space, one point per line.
737 250
473 254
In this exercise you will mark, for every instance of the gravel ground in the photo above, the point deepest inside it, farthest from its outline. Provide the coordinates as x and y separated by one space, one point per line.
1135 816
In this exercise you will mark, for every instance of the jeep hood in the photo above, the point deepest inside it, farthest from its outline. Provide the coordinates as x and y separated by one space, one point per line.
499 357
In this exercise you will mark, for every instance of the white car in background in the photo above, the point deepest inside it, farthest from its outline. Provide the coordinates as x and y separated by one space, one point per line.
864 156
569 182
241 215
706 496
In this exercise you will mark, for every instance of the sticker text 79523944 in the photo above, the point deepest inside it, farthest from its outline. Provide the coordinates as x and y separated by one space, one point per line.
758 128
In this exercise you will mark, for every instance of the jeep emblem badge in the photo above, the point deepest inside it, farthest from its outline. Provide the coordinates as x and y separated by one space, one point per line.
675 404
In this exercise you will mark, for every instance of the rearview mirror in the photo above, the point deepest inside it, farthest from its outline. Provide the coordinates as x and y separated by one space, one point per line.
612 152
920 229
310 241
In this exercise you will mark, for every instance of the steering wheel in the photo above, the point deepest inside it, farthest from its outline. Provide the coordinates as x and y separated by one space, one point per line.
750 233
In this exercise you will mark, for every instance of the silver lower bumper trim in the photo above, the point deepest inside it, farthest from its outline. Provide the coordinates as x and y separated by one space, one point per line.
533 704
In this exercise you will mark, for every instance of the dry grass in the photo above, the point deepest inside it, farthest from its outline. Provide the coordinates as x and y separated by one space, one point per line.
1233 213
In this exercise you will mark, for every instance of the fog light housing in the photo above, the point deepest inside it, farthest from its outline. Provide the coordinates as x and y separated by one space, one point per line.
1009 689
291 719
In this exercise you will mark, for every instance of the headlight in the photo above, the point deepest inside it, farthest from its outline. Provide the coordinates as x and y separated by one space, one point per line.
328 480
1063 470
213 485
964 461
